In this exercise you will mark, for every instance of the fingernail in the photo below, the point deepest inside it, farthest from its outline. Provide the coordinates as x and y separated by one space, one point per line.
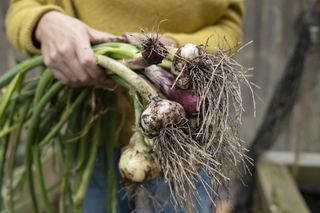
120 39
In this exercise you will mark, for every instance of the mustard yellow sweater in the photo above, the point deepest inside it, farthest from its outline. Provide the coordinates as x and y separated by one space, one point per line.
188 21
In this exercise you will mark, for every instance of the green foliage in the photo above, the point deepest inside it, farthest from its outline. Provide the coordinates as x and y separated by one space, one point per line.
72 122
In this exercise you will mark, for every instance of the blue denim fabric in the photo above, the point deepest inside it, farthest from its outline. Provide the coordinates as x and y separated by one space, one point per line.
95 199
161 193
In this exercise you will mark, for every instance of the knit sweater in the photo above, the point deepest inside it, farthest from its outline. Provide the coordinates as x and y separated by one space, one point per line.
188 21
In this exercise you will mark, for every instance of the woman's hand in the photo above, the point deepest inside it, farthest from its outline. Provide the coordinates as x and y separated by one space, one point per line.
66 47
138 37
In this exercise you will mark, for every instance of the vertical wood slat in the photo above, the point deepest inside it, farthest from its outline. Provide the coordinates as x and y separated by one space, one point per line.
3 52
7 53
272 25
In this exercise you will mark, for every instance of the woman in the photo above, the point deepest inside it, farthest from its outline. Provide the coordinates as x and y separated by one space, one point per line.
63 30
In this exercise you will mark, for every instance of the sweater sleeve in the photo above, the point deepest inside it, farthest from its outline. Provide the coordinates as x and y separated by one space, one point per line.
225 33
21 19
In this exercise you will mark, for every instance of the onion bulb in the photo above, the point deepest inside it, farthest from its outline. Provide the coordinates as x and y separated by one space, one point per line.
159 114
137 162
181 64
153 51
165 81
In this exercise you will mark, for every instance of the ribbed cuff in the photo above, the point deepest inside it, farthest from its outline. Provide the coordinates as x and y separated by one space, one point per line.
27 32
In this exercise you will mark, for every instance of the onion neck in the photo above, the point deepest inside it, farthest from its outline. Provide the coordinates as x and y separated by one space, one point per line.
139 143
138 83
171 52
117 50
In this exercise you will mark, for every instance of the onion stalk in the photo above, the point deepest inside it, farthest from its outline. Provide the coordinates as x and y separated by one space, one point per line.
143 87
138 163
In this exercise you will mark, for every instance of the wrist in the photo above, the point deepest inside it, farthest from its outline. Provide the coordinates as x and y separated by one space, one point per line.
42 26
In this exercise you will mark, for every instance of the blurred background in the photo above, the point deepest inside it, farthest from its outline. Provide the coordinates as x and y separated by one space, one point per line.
272 26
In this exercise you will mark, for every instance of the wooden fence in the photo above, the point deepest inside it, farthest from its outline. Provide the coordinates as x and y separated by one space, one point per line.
272 26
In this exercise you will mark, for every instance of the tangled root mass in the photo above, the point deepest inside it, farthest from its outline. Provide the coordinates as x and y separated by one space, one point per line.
211 142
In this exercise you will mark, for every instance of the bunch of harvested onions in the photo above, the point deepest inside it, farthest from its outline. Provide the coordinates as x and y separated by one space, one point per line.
187 113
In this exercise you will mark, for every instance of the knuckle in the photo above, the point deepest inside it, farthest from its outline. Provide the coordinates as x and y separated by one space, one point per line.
97 74
74 80
87 61
70 81
47 61
53 57
63 80
63 50
84 78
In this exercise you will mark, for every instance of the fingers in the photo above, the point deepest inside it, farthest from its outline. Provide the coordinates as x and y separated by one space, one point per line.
70 57
168 41
55 58
137 38
87 61
60 76
96 36
63 78
133 38
54 62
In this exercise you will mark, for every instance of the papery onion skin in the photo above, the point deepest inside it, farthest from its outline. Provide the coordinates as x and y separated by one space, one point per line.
138 166
165 80
189 51
183 56
159 114
181 63
137 162
153 51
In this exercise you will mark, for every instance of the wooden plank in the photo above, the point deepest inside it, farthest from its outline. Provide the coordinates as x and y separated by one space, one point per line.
309 165
287 158
277 190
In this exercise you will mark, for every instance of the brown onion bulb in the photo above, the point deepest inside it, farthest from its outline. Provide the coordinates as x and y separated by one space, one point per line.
159 114
153 51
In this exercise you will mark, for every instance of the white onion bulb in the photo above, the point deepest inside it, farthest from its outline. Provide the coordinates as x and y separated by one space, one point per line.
137 162
181 63
189 51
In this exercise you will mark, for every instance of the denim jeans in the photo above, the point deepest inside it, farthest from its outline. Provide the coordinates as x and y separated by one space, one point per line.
95 199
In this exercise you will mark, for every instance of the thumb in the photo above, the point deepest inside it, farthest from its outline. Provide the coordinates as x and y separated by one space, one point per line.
168 41
96 36
133 38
